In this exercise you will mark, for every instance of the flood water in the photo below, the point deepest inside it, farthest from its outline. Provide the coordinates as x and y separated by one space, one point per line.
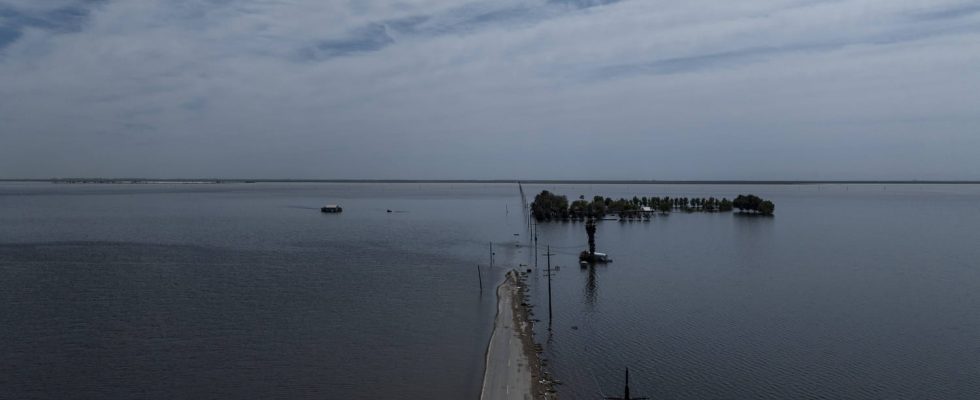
848 292
248 291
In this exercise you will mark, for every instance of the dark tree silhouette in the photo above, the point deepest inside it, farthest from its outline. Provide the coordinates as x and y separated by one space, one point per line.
590 230
754 203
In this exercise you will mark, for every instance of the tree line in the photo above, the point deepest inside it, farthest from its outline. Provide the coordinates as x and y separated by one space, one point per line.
549 206
755 204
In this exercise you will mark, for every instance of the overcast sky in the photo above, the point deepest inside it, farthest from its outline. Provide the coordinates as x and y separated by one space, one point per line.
632 89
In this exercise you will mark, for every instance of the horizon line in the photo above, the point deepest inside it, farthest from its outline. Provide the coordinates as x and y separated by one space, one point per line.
503 181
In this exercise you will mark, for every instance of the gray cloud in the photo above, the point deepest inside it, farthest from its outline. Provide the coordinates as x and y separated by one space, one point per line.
467 18
8 35
584 3
953 12
704 89
739 57
56 16
369 38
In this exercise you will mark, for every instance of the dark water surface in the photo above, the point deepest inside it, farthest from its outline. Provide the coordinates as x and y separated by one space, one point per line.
248 291
849 292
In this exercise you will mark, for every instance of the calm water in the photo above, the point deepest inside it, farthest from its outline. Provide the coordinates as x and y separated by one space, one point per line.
247 291
849 292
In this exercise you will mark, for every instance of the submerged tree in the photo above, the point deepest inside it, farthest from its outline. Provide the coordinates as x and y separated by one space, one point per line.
725 205
767 207
590 230
589 255
547 206
754 203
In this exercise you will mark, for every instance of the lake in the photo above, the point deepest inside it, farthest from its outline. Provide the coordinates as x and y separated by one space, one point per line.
849 291
247 290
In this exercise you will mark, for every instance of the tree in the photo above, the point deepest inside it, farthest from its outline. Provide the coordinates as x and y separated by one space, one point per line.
725 205
590 230
579 208
747 202
766 207
547 206
597 208
754 203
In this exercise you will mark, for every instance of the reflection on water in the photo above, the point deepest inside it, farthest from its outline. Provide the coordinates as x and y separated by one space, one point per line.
591 286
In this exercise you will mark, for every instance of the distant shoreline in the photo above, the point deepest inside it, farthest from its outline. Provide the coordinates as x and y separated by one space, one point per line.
134 181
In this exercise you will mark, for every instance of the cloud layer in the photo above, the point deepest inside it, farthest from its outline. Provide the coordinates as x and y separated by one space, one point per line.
633 89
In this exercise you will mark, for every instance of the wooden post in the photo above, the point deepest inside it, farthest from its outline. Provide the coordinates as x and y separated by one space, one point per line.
549 286
535 246
479 274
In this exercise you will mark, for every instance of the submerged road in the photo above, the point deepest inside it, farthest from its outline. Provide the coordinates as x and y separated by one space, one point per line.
508 374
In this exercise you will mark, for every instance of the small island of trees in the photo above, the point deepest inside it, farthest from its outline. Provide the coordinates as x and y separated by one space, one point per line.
754 204
548 206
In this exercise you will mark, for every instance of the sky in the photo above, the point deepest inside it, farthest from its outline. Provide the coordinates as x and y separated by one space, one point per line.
502 89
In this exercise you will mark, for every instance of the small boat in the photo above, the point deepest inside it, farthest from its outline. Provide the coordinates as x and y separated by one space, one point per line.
598 258
331 208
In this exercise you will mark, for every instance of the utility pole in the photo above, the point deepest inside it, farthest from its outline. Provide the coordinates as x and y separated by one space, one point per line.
549 286
479 273
491 254
535 226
